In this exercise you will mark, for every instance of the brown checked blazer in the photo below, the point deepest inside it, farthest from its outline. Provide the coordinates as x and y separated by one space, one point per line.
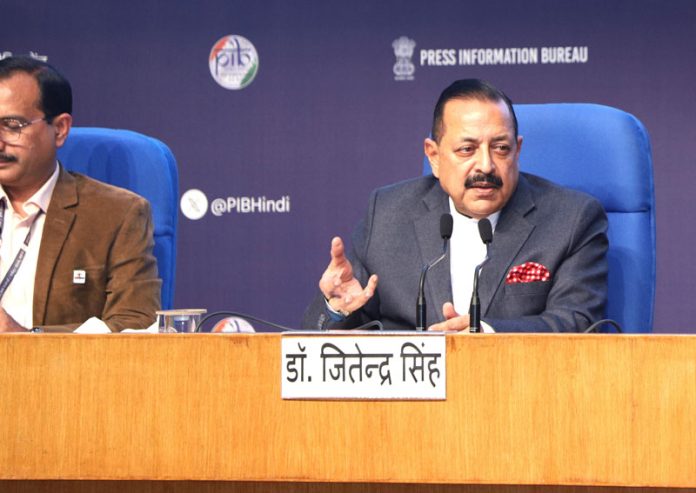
103 234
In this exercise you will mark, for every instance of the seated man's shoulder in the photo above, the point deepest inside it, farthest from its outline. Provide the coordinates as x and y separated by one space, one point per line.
414 188
92 192
553 193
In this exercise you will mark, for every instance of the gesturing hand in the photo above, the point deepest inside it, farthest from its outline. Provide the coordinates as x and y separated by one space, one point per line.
340 288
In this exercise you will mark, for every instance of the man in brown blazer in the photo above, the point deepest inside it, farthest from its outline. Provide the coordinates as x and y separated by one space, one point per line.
71 247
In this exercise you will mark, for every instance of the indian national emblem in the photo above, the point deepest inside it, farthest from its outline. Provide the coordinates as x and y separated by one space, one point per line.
403 50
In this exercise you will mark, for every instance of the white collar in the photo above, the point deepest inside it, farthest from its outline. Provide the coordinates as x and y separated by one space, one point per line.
40 200
460 218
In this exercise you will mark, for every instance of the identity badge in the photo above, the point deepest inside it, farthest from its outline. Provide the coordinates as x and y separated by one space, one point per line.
79 277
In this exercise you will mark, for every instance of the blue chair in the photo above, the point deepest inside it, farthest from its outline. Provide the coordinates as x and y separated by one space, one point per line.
604 152
143 165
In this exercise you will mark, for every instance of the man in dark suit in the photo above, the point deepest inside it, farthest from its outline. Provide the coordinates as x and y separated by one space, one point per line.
547 269
71 247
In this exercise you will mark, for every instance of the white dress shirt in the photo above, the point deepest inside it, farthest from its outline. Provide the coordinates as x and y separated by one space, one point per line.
466 252
18 300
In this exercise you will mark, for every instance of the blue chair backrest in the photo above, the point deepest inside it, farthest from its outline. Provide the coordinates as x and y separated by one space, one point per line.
606 153
143 165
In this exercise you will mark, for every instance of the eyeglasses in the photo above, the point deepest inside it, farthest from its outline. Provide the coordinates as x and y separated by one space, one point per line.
11 128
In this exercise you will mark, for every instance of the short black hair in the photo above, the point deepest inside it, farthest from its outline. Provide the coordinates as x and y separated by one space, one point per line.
468 89
56 93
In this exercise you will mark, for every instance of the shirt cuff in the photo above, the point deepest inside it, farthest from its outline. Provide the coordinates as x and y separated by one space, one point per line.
487 329
333 314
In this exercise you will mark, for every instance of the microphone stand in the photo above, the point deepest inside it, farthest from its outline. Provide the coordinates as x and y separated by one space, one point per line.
446 224
486 233
475 306
421 306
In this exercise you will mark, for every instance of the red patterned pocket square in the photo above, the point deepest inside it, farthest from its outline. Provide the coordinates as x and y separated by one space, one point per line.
528 272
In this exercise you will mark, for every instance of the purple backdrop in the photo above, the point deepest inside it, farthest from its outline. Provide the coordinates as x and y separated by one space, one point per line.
324 121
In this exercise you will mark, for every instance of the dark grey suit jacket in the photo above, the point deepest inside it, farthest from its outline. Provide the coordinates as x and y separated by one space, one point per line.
562 229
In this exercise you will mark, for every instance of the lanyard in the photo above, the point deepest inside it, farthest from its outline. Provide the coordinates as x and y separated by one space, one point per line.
17 262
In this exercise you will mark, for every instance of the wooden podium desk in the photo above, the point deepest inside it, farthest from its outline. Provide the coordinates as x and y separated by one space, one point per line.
202 412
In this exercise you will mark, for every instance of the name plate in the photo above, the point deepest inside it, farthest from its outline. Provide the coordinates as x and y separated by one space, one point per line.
365 366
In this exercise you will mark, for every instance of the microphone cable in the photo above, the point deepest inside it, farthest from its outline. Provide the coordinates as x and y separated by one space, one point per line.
599 323
374 323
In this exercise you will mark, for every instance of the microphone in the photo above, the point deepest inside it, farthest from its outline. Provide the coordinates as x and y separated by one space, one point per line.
446 225
486 233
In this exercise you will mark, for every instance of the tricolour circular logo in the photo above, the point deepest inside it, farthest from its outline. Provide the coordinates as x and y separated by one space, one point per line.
233 324
233 62
194 204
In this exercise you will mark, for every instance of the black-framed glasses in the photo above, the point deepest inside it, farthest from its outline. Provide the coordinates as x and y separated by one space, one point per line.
11 128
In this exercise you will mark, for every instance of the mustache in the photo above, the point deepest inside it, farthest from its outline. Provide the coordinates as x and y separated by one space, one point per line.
7 158
483 178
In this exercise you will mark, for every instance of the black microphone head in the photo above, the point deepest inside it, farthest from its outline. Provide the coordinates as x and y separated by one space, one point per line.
446 225
485 230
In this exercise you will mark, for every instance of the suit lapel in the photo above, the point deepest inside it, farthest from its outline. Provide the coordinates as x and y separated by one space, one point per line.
511 233
427 228
59 220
